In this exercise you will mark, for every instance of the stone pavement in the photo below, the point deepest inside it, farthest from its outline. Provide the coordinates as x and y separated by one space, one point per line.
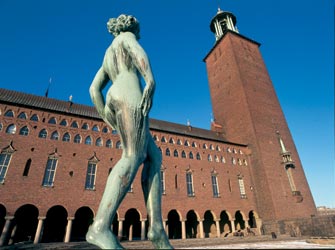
253 242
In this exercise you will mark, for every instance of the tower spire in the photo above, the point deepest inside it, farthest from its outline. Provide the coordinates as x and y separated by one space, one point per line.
222 22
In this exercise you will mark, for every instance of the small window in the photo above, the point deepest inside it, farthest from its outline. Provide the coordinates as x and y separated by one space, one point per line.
74 124
9 113
24 131
218 148
198 156
211 147
223 160
34 118
163 139
183 154
55 136
114 132
98 142
233 160
11 129
43 133
209 158
95 128
194 145
190 155
155 138
229 150
109 144
179 142
242 188
171 141
216 158
167 152
22 116
204 146
66 137
77 139
118 145
105 130
88 140
186 143
27 168
85 126
52 120
63 123
175 153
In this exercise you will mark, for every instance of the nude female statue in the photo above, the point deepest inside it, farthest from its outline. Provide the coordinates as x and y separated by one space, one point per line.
126 109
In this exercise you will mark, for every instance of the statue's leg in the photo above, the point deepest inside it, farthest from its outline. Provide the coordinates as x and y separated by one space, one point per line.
117 186
151 185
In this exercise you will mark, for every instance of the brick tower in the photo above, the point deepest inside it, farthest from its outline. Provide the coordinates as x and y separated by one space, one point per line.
247 110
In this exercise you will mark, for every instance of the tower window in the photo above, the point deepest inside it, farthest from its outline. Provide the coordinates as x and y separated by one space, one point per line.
163 181
27 168
43 133
4 163
189 184
11 129
66 137
24 131
88 140
55 136
22 115
242 188
215 186
77 139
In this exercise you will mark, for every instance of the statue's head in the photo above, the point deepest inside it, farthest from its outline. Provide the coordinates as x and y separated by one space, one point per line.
122 24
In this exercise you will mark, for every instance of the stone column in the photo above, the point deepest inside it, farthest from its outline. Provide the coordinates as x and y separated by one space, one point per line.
6 230
68 229
201 229
232 223
131 228
183 229
120 232
143 229
217 222
39 229
11 239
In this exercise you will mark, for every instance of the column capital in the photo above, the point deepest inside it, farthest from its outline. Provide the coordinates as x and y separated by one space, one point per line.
41 217
70 218
121 219
9 217
143 219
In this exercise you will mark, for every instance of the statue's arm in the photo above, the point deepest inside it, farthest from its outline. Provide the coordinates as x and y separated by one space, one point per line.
141 61
99 83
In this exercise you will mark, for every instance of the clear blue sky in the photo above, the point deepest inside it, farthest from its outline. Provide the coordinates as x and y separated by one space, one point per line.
66 40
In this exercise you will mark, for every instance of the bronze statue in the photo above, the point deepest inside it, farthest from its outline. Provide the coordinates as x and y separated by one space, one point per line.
126 109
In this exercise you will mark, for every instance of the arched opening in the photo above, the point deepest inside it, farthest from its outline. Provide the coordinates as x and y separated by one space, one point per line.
191 224
132 225
83 218
2 217
174 225
25 223
225 227
252 220
239 222
55 224
209 225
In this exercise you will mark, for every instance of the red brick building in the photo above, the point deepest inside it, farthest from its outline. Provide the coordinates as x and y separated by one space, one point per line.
242 176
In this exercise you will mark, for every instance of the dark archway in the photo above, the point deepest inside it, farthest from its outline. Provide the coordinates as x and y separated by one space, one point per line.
191 224
174 225
55 224
83 218
25 223
225 226
209 225
115 224
252 220
239 222
2 217
132 225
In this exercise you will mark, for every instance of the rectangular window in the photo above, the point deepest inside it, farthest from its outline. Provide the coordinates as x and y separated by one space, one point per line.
163 181
215 186
90 176
242 189
189 184
50 171
4 163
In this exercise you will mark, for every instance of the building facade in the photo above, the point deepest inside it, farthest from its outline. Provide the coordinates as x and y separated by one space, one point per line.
243 176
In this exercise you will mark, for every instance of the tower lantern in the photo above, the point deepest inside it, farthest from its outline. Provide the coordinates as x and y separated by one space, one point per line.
222 22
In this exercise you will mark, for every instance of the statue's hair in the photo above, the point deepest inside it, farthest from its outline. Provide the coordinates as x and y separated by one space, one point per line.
123 23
